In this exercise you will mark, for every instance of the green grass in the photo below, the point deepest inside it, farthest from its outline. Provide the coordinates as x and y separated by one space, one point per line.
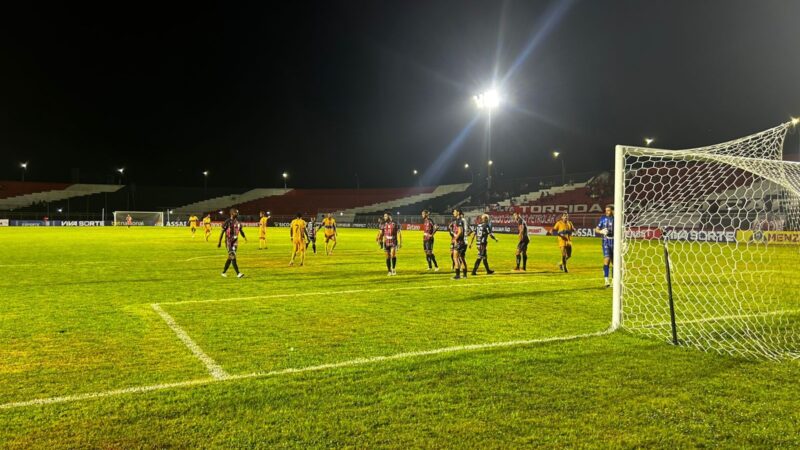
76 318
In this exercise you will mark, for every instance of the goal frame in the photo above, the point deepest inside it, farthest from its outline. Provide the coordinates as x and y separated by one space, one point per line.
122 213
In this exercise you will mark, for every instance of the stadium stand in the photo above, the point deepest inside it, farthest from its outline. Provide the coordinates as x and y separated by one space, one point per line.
225 201
16 195
420 198
315 201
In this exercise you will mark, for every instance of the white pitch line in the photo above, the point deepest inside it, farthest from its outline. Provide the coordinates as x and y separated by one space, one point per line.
347 291
276 373
214 369
202 257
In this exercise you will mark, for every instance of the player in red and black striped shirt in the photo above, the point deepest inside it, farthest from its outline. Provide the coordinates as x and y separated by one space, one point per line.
428 232
231 230
392 240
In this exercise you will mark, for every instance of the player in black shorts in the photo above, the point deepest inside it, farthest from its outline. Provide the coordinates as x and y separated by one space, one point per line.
459 244
392 240
428 233
231 229
522 245
311 232
482 233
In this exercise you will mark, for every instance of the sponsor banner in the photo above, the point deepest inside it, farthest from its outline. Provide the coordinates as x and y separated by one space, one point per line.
768 237
646 233
177 223
532 230
558 209
584 232
28 223
701 235
3 222
80 223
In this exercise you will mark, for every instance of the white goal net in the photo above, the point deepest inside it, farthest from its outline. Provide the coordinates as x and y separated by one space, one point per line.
139 218
729 215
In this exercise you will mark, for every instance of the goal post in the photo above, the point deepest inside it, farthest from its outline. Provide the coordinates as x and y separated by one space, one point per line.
725 221
139 218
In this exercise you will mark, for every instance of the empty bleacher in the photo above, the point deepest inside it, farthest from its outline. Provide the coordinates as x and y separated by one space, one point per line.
314 201
410 200
17 195
225 201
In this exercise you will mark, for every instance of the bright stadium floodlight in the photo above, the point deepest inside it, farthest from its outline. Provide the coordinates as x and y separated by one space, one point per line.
795 120
556 155
121 170
466 165
491 162
285 176
415 172
205 173
487 100
59 210
648 141
24 167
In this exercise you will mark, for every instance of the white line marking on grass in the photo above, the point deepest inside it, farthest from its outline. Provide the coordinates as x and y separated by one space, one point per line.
214 369
349 291
204 257
290 371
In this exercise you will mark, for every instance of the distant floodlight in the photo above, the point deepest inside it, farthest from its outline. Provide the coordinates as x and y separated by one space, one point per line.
285 175
341 214
172 211
415 171
487 100
795 120
59 210
555 154
220 211
121 170
648 141
398 213
24 165
466 166
491 162
205 173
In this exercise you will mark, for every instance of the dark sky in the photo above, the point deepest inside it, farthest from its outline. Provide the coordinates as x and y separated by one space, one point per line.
329 89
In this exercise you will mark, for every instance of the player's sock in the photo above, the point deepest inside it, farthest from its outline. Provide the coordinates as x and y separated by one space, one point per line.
477 264
389 264
314 247
428 258
394 262
486 265
564 263
605 272
518 259
227 264
524 261
235 266
433 258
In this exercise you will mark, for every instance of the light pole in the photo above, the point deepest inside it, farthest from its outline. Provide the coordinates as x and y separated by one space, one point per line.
648 141
205 181
471 173
488 101
121 171
24 167
556 155
285 176
415 172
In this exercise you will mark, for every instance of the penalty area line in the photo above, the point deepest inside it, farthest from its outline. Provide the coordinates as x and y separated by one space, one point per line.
214 369
290 371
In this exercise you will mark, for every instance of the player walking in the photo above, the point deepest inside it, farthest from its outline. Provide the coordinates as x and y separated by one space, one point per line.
297 232
231 229
522 244
428 233
193 224
311 232
392 240
483 231
207 225
262 230
564 229
605 228
329 223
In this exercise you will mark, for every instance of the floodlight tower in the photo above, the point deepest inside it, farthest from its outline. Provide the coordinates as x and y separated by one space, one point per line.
285 176
24 167
205 180
557 155
488 101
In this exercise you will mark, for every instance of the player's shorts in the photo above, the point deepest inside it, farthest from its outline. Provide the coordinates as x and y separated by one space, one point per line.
299 245
330 235
388 247
208 228
482 250
462 248
262 234
562 243
608 248
193 227
312 238
428 245
522 246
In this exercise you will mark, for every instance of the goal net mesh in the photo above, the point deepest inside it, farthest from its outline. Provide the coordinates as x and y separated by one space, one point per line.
139 218
730 217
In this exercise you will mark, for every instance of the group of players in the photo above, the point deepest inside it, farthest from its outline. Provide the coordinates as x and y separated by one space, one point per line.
304 234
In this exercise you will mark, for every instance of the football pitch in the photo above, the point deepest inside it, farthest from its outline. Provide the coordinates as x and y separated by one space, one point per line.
120 338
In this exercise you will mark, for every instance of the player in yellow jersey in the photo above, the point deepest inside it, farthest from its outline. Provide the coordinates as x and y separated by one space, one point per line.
297 232
564 229
193 223
329 224
207 225
262 230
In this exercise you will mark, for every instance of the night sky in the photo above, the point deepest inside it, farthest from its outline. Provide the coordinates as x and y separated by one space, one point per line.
327 90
